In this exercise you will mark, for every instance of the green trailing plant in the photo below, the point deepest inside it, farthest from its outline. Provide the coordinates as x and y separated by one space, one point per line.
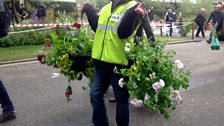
70 51
155 78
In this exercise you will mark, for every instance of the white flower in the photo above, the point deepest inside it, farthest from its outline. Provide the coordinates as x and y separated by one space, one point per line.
179 64
158 85
152 75
176 97
162 83
121 82
147 97
115 69
145 47
136 102
127 47
55 75
134 85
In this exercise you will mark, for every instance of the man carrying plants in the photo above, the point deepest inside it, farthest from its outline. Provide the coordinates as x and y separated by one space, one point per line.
115 26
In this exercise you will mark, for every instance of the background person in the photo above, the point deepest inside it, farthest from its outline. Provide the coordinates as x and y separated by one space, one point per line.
214 17
41 13
200 20
220 29
169 21
22 12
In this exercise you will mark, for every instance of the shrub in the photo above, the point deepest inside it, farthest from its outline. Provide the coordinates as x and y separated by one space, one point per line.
28 38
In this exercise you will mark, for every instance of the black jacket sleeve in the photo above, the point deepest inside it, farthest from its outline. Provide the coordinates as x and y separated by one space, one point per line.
210 16
128 23
148 29
91 16
219 26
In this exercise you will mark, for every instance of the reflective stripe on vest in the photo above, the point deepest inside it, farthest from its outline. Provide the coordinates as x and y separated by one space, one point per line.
112 29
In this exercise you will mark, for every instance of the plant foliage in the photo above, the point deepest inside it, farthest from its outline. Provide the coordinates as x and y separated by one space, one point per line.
155 78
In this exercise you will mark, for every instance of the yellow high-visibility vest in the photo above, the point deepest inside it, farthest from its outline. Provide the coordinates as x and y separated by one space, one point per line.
107 45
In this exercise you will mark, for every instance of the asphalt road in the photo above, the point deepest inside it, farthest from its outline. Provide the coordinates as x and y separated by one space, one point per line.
39 98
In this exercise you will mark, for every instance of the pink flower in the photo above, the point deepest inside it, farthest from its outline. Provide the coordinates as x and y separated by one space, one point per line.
136 102
68 91
179 64
176 97
158 85
47 45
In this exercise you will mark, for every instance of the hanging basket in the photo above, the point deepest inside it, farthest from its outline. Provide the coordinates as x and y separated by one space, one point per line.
79 62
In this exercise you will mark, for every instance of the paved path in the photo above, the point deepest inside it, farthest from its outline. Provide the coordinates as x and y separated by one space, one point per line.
40 101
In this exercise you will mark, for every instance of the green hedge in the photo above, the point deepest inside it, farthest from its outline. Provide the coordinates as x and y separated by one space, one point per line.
28 38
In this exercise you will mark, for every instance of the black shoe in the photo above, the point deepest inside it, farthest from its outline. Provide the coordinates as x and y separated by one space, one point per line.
112 100
208 41
7 116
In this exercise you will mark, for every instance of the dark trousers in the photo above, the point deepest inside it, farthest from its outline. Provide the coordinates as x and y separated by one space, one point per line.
5 101
221 38
200 29
170 29
102 80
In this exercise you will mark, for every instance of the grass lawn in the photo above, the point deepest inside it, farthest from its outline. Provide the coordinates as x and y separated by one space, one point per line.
171 39
25 52
18 52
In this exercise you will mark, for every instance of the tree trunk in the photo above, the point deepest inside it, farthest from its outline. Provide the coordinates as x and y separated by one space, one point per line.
14 11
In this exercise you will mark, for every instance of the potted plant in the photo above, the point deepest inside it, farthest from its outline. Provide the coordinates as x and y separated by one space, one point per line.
155 77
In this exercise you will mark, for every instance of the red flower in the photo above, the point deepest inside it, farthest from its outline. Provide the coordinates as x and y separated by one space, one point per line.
68 91
68 28
56 66
41 58
77 25
47 45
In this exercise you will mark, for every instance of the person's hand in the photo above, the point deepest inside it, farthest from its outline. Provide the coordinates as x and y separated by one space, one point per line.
139 9
216 35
